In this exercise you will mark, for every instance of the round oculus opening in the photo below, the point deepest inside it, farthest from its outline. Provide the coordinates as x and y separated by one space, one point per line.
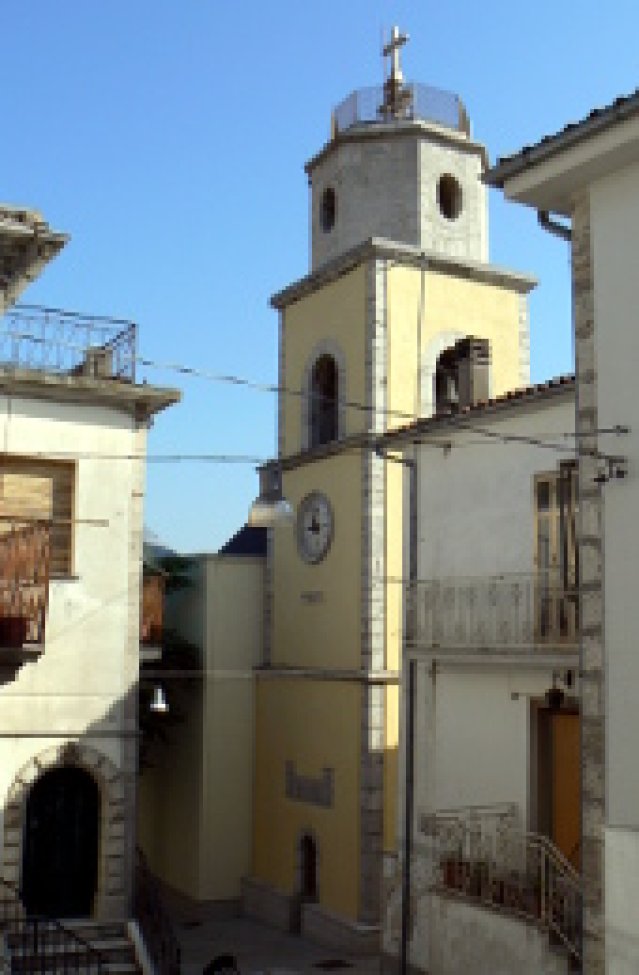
328 209
449 197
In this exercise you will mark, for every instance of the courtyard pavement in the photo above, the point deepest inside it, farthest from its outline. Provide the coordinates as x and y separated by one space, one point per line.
262 949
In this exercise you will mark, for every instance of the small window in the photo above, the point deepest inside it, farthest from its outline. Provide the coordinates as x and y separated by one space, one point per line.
328 209
449 197
324 412
35 491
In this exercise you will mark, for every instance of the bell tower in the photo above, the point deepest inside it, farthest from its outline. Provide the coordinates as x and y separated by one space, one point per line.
400 316
400 165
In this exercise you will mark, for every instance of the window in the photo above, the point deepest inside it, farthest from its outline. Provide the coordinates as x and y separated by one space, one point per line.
328 209
33 490
449 197
556 555
324 411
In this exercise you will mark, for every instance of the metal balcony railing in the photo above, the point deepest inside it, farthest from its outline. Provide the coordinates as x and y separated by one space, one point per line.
423 103
483 854
483 613
53 340
24 582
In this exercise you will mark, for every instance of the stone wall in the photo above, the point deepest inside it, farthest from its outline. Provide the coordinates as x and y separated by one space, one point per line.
591 598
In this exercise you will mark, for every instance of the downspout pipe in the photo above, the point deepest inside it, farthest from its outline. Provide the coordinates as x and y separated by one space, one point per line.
553 226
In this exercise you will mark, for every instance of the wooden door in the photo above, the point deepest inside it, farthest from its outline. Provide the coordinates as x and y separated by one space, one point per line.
566 785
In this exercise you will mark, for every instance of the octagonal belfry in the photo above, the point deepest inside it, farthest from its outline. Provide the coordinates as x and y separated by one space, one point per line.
400 164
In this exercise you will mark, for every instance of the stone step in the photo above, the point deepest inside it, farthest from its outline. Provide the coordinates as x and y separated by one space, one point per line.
110 940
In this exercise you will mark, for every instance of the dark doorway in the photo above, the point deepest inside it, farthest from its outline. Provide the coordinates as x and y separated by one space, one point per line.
60 861
308 865
324 401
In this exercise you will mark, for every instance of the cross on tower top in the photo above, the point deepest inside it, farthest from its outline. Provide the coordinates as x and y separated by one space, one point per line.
396 96
391 50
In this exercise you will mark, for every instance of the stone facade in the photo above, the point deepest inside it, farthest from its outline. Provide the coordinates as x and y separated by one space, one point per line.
591 594
386 185
113 893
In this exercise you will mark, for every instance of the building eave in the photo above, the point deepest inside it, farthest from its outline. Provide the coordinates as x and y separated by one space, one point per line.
405 254
141 401
547 174
415 129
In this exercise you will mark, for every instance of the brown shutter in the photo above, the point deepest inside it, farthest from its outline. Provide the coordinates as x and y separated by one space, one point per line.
41 490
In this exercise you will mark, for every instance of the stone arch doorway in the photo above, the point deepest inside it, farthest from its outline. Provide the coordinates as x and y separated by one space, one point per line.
60 844
114 866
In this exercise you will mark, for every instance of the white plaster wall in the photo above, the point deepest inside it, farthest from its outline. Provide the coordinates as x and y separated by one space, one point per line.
622 898
74 690
465 938
476 500
615 235
472 745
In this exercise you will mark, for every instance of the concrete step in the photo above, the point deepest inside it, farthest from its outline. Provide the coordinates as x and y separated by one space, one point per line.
109 940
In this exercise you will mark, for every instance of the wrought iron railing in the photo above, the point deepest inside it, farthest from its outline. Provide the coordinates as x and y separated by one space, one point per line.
154 921
505 612
24 581
43 945
54 340
423 102
482 854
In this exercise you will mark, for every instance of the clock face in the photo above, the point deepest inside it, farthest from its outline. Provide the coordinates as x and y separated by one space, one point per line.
314 527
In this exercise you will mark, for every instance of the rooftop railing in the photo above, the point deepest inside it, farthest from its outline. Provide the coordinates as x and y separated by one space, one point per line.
54 340
518 612
423 102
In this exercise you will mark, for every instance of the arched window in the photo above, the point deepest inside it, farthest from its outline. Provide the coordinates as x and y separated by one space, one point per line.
324 402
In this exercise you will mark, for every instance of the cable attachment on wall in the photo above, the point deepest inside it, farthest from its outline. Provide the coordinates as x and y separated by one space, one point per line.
612 468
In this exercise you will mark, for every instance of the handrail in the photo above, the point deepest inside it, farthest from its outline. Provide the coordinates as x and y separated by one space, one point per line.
154 921
39 943
521 873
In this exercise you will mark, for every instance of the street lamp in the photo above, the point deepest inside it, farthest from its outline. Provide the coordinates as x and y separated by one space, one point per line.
270 509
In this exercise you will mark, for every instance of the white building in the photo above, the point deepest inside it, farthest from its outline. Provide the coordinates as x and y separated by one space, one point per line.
72 471
589 173
490 680
197 837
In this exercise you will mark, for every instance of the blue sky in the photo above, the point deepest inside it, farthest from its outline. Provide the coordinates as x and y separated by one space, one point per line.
169 138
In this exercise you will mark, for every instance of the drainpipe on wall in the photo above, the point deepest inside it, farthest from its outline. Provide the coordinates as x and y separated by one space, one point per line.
553 226
409 631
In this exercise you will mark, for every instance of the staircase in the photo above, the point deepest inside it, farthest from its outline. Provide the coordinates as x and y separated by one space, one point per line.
483 856
86 947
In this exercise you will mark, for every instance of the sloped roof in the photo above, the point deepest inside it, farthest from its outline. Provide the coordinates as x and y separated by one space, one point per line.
247 541
596 121
522 396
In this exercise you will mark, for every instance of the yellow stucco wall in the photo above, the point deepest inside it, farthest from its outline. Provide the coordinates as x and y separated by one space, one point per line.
336 312
313 723
425 303
317 722
327 633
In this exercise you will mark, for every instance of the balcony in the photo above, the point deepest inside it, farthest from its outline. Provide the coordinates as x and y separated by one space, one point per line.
53 340
423 103
24 590
152 615
493 615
